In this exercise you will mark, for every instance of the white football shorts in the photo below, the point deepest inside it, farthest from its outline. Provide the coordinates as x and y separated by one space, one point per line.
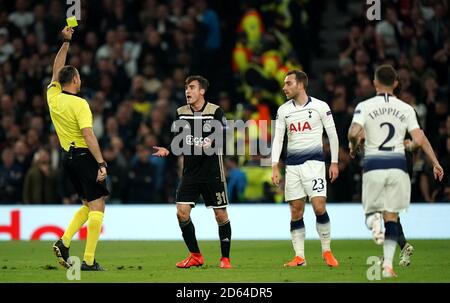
386 190
307 179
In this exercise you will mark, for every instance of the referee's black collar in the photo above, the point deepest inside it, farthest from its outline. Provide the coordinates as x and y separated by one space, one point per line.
201 109
67 93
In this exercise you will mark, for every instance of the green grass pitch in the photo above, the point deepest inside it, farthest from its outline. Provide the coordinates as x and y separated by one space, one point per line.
253 261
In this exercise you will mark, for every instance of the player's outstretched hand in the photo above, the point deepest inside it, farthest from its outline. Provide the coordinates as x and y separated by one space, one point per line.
334 172
438 172
67 33
160 151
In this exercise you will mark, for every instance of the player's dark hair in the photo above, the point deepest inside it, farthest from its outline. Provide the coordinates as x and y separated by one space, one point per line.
66 74
300 76
204 83
386 75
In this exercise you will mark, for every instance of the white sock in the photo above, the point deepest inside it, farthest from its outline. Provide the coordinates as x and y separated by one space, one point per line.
389 252
298 241
325 235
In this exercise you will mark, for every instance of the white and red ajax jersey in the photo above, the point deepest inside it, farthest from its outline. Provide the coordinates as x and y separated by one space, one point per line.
304 126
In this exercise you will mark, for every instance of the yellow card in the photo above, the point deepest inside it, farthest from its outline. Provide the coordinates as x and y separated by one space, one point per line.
72 22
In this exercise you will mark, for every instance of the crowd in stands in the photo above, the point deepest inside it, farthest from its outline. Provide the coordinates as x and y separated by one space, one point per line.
414 37
133 57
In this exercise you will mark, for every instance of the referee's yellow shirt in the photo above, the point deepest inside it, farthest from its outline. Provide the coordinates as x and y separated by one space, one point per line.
69 114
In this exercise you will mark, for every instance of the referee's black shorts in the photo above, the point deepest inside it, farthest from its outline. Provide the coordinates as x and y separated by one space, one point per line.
82 169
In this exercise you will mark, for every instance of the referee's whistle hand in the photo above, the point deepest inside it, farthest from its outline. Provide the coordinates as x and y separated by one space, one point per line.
101 175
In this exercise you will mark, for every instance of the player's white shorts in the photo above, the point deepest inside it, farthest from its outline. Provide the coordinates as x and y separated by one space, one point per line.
386 190
307 179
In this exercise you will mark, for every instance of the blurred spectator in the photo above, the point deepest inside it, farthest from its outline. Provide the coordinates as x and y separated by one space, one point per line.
259 182
117 176
23 156
6 48
209 19
438 25
300 32
352 42
327 85
342 119
347 171
364 90
236 180
389 34
139 96
420 108
21 17
40 186
98 108
11 178
140 186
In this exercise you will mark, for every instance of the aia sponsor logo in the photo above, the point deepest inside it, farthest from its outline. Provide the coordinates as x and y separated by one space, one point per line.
299 127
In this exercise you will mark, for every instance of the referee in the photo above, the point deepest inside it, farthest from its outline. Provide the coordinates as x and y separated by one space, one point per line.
82 158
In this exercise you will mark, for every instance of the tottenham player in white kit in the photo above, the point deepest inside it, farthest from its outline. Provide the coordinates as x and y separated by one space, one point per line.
384 120
304 118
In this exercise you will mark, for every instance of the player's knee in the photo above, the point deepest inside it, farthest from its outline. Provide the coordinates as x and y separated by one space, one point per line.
320 210
182 216
221 217
97 205
183 213
296 213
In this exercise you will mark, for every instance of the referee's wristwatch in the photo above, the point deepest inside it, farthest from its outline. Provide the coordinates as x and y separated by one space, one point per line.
102 164
67 40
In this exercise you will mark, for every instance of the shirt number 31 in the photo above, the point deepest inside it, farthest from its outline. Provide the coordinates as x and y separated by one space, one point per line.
221 198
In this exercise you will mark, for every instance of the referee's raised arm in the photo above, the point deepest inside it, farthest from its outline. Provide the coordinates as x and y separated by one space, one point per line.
60 58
